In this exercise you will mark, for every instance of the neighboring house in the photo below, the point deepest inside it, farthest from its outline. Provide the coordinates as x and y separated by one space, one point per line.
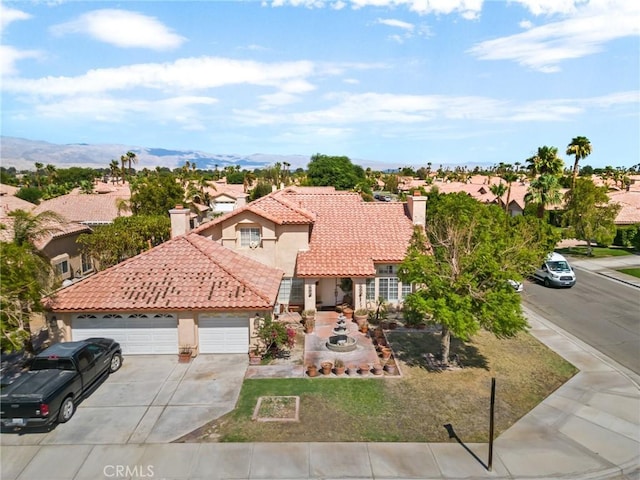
59 247
226 197
629 201
98 208
187 292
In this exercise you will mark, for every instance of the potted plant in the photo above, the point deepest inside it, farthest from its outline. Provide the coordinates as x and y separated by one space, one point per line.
385 352
312 370
326 367
352 370
377 369
339 366
361 316
391 368
364 328
185 353
309 324
364 369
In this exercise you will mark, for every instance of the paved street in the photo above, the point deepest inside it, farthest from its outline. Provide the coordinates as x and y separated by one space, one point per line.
600 310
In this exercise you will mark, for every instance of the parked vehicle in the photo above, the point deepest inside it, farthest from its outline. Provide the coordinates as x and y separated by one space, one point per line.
57 380
556 272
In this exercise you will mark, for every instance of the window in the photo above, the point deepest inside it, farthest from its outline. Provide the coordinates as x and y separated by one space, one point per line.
389 288
87 264
250 237
371 289
62 268
406 289
291 291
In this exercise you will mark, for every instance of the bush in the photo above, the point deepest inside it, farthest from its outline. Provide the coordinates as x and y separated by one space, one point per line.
274 335
626 236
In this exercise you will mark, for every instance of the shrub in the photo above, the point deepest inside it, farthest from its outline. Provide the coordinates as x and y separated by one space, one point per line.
275 335
626 236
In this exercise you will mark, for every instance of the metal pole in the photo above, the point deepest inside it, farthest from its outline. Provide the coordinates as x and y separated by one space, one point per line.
491 413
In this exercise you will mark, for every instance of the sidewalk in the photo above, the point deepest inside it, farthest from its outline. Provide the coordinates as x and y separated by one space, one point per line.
588 429
608 267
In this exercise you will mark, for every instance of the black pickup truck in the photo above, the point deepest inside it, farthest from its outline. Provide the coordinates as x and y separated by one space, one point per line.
56 380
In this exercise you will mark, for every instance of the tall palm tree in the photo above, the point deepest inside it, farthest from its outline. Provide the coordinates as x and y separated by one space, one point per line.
580 147
543 191
498 189
39 167
128 158
509 177
51 173
114 168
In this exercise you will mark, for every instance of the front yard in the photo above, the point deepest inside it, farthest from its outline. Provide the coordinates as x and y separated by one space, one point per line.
413 408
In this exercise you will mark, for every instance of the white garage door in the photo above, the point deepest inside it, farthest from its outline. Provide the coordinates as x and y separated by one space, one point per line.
137 334
223 334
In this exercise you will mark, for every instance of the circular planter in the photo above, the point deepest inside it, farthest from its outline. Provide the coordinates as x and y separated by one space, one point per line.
312 370
364 369
339 370
377 369
326 368
352 370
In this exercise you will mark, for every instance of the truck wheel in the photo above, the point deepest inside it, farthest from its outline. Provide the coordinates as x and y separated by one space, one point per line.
116 363
66 410
547 283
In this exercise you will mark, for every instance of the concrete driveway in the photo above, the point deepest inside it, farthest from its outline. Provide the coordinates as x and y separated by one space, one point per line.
151 399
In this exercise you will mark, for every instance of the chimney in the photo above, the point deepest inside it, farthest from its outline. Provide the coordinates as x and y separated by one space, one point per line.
417 205
241 200
180 221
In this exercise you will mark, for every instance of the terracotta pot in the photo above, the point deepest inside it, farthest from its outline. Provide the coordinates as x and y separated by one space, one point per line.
364 328
312 370
348 312
352 370
385 352
360 319
339 370
391 368
377 369
326 368
364 369
255 359
184 357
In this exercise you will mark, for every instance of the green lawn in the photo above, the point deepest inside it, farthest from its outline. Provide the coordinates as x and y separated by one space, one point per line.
597 252
635 272
413 408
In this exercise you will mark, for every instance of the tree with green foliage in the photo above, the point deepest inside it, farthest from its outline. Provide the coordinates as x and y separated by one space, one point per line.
155 194
30 194
463 261
125 238
589 214
544 191
339 172
24 279
261 189
580 147
546 162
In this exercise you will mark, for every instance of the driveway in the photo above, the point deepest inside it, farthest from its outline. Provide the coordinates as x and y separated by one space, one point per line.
151 399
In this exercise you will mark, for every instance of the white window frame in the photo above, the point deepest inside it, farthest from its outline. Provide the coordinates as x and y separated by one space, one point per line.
86 264
250 237
371 290
390 289
291 291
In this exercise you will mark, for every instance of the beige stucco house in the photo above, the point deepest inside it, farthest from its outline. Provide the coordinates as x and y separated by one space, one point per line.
206 287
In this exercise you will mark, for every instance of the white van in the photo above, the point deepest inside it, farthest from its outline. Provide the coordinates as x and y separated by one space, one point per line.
556 271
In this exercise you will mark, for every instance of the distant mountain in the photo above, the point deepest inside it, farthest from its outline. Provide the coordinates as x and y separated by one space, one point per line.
23 154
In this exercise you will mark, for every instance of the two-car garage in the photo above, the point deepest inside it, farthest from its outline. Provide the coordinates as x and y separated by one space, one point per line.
159 333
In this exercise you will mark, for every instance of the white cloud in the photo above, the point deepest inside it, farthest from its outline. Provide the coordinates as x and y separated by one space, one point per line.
549 7
543 48
187 74
526 24
10 15
123 29
9 56
469 9
390 22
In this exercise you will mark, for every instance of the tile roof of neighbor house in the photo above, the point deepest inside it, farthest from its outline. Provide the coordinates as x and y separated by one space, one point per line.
349 235
630 206
186 273
8 189
9 203
93 208
63 230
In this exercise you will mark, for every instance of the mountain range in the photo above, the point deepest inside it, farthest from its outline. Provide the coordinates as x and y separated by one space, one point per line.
22 154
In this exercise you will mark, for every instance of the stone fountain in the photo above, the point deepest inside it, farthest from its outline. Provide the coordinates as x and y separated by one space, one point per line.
341 341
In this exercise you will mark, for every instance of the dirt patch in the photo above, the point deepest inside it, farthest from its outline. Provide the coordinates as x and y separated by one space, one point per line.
277 409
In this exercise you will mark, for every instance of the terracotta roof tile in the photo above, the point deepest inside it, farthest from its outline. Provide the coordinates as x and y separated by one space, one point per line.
630 206
186 273
88 208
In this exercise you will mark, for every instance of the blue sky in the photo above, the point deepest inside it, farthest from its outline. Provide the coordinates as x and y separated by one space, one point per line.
385 82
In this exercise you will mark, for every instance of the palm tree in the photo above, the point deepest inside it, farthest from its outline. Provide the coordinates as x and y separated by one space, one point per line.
546 162
580 147
29 228
543 191
39 167
498 189
114 167
51 173
128 158
247 180
509 177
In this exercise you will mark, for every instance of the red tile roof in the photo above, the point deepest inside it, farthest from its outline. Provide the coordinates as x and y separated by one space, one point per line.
93 208
630 206
186 273
349 235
